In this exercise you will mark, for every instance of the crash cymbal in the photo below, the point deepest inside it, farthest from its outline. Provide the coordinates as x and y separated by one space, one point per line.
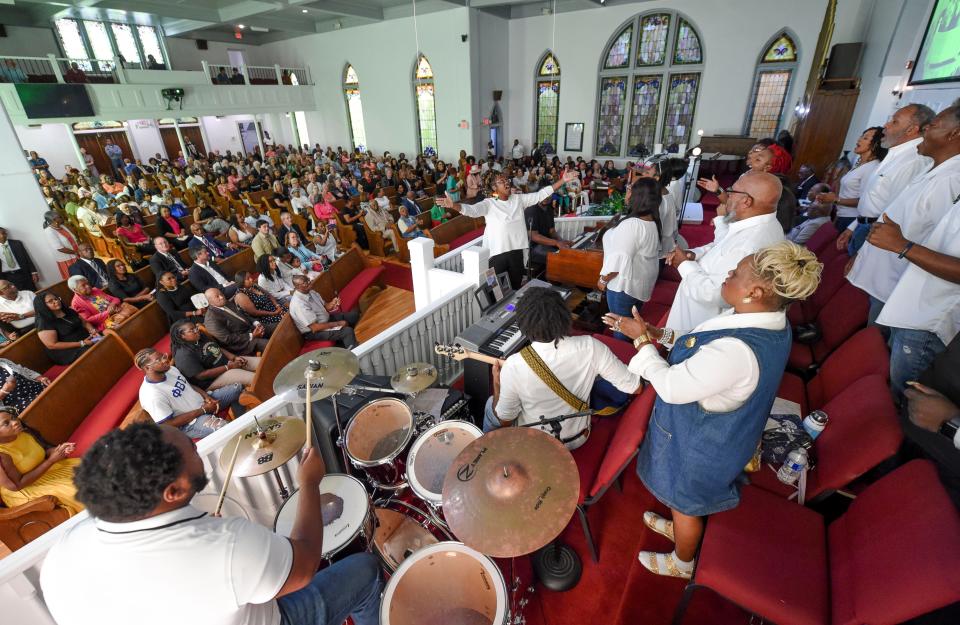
414 377
264 450
510 492
337 366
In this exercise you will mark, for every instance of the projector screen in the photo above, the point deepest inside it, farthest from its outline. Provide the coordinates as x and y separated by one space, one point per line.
939 58
45 100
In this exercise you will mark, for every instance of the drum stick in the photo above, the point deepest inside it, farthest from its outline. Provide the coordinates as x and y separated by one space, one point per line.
226 481
308 443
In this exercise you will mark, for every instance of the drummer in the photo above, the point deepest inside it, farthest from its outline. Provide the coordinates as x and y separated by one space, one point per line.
556 373
165 561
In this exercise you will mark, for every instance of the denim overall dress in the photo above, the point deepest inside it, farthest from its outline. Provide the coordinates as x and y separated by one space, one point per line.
691 458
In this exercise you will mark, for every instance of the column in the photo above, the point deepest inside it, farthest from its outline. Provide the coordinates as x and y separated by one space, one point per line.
183 146
295 129
76 147
421 262
259 129
21 212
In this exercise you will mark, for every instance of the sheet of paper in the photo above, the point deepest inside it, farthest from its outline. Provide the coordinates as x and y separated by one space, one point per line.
430 401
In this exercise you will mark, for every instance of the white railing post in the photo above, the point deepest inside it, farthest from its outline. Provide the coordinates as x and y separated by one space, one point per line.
119 70
421 262
246 74
206 71
276 69
56 67
476 261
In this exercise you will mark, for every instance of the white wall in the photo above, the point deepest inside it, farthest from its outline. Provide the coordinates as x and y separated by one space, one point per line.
52 142
732 37
223 134
28 41
383 55
184 53
145 139
492 72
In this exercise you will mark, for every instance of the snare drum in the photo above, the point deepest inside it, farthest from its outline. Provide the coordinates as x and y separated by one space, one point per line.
377 438
347 515
433 453
443 584
403 528
208 503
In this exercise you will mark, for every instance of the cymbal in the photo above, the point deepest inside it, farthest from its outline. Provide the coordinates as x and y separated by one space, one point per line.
414 377
337 367
510 492
280 440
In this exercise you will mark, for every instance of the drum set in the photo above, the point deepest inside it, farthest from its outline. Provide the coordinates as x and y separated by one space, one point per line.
447 509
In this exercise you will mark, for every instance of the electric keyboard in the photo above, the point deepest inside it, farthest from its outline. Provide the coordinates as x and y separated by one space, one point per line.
584 240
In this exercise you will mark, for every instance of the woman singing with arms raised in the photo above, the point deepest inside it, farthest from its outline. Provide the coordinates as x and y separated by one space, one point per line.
714 394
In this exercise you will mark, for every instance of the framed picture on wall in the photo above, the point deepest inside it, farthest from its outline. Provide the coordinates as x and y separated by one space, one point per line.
573 137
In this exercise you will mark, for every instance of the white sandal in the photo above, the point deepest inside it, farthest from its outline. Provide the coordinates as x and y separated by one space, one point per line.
664 564
658 524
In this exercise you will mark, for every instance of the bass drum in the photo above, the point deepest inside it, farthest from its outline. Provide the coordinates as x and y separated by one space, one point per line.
208 503
445 584
347 515
404 526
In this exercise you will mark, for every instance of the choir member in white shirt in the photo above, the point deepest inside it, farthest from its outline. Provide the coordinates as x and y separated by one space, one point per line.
923 311
901 135
746 223
870 150
576 362
631 250
505 234
916 210
714 395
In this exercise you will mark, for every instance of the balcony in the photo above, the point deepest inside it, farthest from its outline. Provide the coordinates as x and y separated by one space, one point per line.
124 91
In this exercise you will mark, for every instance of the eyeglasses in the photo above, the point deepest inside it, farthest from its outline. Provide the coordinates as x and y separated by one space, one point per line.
730 190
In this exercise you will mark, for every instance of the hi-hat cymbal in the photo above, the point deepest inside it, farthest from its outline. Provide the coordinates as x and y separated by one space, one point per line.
414 377
510 492
260 451
337 366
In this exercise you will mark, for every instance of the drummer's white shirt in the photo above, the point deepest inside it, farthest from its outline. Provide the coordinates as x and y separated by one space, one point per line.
182 566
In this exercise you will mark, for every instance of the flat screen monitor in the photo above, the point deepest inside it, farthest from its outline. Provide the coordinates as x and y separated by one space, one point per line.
939 58
46 100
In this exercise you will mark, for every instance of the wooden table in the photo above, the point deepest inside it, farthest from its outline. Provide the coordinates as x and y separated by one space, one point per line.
389 307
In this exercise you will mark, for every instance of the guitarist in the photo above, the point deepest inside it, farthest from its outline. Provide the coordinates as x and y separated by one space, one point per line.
555 374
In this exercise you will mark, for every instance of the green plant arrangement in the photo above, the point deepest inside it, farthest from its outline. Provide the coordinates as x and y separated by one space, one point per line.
610 206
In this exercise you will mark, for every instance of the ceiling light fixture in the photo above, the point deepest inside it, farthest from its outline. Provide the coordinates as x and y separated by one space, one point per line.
304 11
241 26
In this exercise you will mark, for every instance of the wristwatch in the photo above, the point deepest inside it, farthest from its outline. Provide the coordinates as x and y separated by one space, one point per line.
950 428
640 341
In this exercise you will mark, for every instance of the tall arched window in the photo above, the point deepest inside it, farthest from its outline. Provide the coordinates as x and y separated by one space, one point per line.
649 81
426 104
548 100
351 95
771 84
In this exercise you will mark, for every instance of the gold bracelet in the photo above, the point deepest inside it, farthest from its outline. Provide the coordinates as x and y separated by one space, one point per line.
640 341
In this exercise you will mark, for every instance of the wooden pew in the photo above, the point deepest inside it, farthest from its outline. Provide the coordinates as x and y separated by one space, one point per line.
284 345
447 234
29 352
147 327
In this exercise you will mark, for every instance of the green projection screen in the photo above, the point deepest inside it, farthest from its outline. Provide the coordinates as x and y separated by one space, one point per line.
939 58
44 100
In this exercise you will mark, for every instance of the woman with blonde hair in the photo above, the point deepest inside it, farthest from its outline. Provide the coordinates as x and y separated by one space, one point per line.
714 394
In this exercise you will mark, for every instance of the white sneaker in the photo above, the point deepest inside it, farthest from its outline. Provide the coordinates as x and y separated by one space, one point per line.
666 564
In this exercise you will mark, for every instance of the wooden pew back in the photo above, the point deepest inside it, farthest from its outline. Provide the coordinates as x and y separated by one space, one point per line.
28 351
284 345
147 326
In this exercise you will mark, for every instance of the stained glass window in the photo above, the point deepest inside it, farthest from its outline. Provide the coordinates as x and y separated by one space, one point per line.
549 66
769 92
643 115
72 41
681 102
126 44
351 93
653 39
783 50
548 106
688 44
426 105
150 43
99 43
619 53
610 124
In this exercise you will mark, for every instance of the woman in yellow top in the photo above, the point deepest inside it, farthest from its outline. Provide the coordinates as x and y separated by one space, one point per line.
27 472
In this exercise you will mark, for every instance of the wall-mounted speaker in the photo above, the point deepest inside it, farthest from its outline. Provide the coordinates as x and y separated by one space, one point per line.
844 61
201 44
3 30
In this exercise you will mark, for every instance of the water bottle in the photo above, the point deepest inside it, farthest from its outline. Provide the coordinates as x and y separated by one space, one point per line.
815 422
795 463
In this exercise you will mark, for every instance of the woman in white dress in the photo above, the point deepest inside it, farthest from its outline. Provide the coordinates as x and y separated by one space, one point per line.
870 151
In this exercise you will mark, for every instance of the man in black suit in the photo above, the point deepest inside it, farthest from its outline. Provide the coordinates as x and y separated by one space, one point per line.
15 264
410 201
90 267
205 275
807 178
232 327
203 239
166 259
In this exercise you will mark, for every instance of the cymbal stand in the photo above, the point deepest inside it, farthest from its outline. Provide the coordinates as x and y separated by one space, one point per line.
265 440
341 443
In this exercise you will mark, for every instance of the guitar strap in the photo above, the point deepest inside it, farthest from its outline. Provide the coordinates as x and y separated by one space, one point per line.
533 360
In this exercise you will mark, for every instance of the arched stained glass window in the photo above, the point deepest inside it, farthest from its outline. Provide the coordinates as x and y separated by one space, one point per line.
771 84
425 94
649 97
351 94
548 101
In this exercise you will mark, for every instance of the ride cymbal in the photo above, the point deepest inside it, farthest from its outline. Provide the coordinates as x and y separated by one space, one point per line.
336 368
510 492
265 449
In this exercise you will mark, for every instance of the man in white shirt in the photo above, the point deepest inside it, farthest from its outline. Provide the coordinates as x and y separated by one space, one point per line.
505 234
516 151
168 562
300 204
748 224
316 320
169 398
576 362
901 135
16 307
917 210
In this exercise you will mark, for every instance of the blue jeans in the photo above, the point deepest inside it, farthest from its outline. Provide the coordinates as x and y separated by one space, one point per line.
911 352
622 304
229 395
202 426
858 239
875 307
350 587
490 420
